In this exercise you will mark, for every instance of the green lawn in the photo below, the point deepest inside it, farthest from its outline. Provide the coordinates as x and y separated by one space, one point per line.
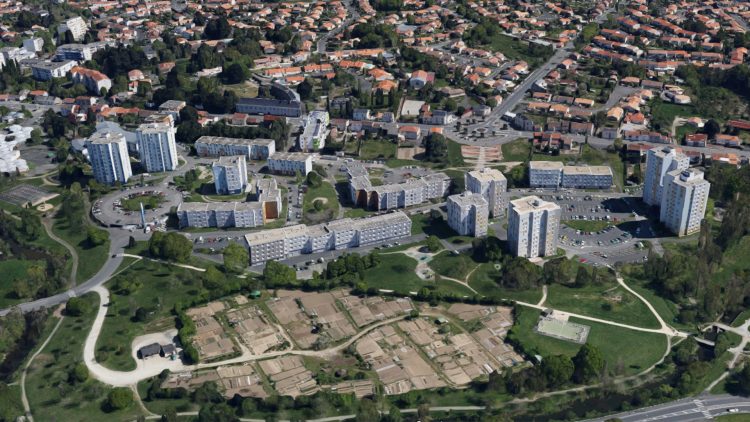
586 225
150 202
373 149
161 287
515 49
358 213
667 309
395 272
596 157
423 224
10 402
12 270
325 194
663 114
483 281
517 150
51 396
90 258
454 266
608 301
626 350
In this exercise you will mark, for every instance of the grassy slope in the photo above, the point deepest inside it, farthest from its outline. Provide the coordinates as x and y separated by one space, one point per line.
90 259
454 266
483 281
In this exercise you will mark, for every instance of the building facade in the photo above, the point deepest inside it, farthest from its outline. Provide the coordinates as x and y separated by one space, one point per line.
44 71
492 184
315 131
545 174
108 153
660 161
684 200
290 163
533 225
157 148
230 175
468 214
77 26
396 195
587 177
286 242
270 106
252 149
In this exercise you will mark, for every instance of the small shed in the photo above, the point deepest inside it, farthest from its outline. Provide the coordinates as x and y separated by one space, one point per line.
149 350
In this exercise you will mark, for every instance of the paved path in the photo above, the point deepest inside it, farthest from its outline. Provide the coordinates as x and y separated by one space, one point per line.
736 351
73 254
544 296
24 398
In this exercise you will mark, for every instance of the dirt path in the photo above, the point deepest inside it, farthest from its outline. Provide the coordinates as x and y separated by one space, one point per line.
544 296
24 398
73 254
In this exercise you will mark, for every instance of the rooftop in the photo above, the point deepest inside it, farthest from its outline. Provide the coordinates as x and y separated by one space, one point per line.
532 203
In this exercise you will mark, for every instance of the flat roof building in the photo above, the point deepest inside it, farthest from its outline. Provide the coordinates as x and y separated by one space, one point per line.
253 149
157 147
290 163
587 177
468 214
545 174
230 175
684 200
315 131
270 106
533 225
660 161
492 184
108 153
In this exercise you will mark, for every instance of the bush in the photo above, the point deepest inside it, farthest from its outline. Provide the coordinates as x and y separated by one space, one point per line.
76 307
118 398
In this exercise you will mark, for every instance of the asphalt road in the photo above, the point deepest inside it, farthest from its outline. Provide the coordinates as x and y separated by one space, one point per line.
686 410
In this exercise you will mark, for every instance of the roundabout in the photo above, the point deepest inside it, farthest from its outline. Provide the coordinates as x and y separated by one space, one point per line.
122 208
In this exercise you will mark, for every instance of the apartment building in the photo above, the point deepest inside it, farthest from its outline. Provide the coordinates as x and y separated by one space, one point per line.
286 242
545 174
660 161
44 71
270 106
265 206
468 214
492 184
533 225
315 131
77 52
77 26
683 202
93 80
157 148
108 153
396 195
252 149
290 163
587 177
230 175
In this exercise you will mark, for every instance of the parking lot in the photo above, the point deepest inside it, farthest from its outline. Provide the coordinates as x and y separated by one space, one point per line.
109 211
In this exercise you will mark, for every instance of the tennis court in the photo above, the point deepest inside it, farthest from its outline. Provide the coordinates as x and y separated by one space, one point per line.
563 330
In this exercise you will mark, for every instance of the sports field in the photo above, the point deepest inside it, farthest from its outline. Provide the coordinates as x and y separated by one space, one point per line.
563 330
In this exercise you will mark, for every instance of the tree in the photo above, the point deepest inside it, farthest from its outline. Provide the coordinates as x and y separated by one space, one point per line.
31 224
557 370
436 148
235 258
169 415
589 364
96 236
491 103
583 278
423 412
170 246
79 374
367 411
711 128
277 274
217 29
722 344
314 180
235 73
742 380
118 398
433 243
305 89
76 307
217 412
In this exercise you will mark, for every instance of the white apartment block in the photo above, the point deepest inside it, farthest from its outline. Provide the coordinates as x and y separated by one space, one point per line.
659 162
468 214
108 153
266 206
230 175
397 195
286 242
33 44
77 26
545 174
290 163
44 71
157 148
315 131
587 177
253 149
683 202
492 185
533 225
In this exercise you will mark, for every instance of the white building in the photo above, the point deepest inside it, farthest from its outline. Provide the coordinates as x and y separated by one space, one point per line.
683 202
108 153
157 148
532 227
492 184
346 233
33 44
545 174
587 177
44 71
253 149
468 214
230 175
315 131
77 26
290 163
659 162
93 80
396 195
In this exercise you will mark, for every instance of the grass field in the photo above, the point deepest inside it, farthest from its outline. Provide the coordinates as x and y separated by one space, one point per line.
663 114
595 157
483 281
667 309
51 396
357 213
12 270
395 272
454 266
626 351
161 287
517 150
90 259
373 149
608 301
326 194
421 223
586 225
150 202
10 402
515 49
